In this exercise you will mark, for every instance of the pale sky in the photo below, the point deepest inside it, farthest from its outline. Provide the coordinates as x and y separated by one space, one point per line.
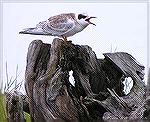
120 27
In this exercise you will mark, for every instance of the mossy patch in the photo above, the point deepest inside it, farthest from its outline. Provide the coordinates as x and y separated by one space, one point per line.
3 117
27 117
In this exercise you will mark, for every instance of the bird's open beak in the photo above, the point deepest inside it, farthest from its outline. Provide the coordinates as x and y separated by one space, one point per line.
88 20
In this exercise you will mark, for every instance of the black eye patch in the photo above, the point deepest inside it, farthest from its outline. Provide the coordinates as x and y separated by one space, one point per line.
80 16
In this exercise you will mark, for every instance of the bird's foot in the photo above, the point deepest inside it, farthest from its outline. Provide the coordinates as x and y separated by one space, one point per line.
65 39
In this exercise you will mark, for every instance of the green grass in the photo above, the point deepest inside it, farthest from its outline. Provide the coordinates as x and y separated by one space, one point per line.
3 117
27 117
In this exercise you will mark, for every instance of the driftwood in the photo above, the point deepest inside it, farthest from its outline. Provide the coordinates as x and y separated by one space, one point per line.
14 107
98 92
147 101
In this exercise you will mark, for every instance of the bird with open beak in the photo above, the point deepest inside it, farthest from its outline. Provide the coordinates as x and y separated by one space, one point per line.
62 25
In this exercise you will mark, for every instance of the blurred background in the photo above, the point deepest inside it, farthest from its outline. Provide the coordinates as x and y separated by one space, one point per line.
120 27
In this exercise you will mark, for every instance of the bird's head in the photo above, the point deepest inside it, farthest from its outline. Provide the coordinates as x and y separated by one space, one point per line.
85 19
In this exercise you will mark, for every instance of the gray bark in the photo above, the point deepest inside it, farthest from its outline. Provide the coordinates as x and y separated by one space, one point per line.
147 101
14 107
98 91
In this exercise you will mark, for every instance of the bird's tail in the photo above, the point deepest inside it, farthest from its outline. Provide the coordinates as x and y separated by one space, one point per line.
33 31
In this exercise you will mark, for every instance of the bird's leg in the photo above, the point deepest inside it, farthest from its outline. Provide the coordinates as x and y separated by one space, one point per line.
65 39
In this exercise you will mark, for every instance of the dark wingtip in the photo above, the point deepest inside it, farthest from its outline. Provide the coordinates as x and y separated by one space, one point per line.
21 32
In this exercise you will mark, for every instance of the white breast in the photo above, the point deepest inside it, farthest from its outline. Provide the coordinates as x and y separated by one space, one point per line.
79 26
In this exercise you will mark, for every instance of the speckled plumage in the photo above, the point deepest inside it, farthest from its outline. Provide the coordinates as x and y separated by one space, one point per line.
63 25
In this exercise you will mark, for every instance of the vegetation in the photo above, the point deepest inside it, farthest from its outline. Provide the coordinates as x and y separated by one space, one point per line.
3 117
27 117
10 101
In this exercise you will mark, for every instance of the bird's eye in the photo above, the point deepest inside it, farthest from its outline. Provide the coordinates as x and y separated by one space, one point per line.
81 16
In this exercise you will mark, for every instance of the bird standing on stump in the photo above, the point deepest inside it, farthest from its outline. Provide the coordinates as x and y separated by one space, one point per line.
63 25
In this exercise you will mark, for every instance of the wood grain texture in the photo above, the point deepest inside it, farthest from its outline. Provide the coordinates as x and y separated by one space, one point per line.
98 91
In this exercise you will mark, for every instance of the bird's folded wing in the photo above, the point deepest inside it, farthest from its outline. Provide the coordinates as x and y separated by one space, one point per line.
56 26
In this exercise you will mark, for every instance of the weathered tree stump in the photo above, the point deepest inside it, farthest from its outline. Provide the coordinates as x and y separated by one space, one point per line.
147 101
98 92
14 107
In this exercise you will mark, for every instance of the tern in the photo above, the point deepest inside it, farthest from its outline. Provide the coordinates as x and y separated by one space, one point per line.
62 25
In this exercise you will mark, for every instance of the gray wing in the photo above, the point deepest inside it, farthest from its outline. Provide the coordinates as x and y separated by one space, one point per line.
56 26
